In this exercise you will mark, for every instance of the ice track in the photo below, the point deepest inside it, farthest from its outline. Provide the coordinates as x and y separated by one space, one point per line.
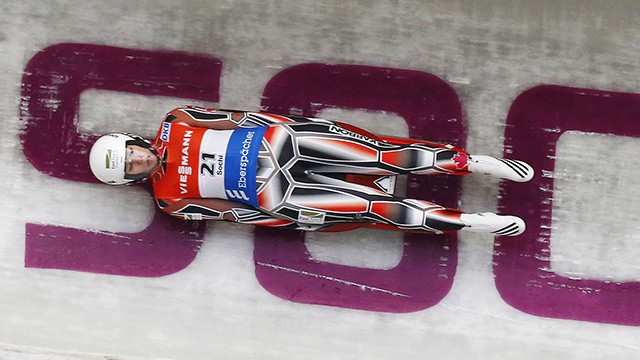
235 299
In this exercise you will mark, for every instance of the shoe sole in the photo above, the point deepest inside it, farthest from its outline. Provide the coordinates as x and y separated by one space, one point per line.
512 229
523 171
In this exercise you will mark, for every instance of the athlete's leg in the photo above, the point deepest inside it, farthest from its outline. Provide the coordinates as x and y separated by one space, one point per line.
325 148
290 184
456 158
320 201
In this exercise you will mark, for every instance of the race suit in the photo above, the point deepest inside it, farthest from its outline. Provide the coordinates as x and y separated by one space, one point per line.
294 172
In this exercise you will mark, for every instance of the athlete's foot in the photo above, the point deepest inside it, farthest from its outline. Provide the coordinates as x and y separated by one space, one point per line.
504 225
514 170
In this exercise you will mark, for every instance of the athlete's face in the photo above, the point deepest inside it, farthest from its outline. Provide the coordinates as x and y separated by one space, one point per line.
139 160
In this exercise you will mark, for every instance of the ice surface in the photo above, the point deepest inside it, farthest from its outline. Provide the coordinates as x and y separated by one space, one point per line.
595 180
489 52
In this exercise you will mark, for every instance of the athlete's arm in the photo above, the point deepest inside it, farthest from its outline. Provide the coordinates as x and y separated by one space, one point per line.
218 119
218 209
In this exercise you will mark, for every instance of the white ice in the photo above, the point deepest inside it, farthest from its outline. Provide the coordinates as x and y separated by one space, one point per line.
596 232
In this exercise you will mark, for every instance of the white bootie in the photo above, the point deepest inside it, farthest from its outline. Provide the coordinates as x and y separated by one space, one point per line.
504 225
514 170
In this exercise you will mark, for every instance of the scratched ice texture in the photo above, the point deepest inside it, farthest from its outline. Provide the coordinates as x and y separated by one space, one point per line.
489 52
596 203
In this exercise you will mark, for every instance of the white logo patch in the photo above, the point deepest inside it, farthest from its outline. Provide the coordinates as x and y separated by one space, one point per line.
310 217
166 131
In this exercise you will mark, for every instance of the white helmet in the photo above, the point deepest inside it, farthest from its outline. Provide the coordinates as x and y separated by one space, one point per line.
107 158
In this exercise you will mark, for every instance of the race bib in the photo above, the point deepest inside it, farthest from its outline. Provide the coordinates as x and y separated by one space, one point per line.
241 163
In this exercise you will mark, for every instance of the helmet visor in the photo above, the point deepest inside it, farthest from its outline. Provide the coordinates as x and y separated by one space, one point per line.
140 162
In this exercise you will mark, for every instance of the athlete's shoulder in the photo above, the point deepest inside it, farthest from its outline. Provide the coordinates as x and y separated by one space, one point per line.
172 119
201 113
180 114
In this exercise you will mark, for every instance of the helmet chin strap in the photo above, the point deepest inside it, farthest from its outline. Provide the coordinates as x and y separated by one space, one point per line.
137 178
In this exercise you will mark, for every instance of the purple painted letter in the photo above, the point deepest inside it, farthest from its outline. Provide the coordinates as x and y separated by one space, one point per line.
522 267
53 81
425 274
